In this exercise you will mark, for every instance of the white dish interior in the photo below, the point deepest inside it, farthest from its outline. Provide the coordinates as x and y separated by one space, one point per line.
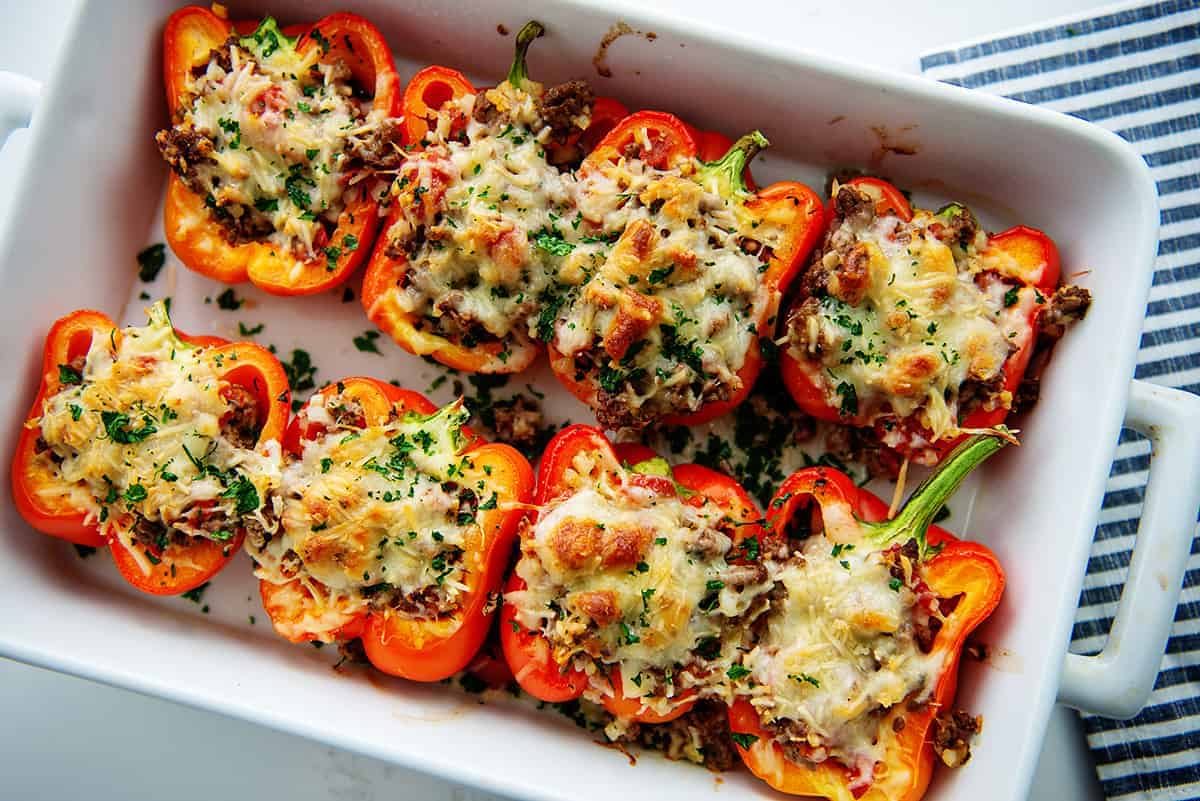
90 199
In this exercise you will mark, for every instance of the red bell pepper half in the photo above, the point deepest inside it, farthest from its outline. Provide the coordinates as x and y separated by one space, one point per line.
179 567
191 34
1026 258
950 568
662 141
528 653
421 649
426 96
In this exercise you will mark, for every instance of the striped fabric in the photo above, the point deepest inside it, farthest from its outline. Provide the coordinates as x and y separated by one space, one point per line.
1134 70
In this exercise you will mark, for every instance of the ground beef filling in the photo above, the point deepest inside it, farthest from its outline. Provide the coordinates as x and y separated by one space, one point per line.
952 735
241 424
702 731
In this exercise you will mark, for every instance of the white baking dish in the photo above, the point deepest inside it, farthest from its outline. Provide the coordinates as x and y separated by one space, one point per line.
89 199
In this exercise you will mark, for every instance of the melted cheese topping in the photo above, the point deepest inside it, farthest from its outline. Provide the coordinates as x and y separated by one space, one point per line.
139 436
838 652
619 576
480 220
930 320
280 122
376 512
672 306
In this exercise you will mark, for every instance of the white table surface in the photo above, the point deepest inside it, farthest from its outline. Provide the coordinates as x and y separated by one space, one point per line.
62 737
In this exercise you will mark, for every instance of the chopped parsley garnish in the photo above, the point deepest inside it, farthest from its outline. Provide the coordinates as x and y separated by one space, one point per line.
135 493
245 331
627 636
552 242
849 397
265 204
743 739
750 547
300 371
69 375
194 595
244 494
120 430
1011 297
150 261
231 127
736 672
660 275
895 584
804 678
229 301
366 342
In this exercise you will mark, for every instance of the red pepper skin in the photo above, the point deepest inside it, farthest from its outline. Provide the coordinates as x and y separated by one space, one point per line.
195 238
428 91
426 650
181 567
527 653
672 140
961 567
1034 262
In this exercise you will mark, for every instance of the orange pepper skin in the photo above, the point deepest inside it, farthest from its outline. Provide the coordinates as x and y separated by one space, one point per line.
670 139
429 650
181 567
1034 262
961 567
190 34
528 653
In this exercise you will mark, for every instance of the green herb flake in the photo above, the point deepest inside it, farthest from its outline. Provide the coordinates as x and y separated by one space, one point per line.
229 301
150 261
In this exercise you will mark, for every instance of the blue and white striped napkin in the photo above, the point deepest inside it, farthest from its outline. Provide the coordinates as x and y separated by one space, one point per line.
1134 69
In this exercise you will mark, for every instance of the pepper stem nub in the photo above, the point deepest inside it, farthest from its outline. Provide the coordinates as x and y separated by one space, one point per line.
519 72
922 506
727 175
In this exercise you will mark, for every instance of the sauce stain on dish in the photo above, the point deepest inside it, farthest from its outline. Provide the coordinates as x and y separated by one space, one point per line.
442 713
619 29
890 145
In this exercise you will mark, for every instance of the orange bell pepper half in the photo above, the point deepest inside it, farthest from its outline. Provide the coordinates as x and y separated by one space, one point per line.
189 37
422 649
662 141
425 97
180 567
1023 255
527 652
951 568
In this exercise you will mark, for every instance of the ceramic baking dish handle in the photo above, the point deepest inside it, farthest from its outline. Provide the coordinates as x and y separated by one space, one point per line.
1117 682
18 96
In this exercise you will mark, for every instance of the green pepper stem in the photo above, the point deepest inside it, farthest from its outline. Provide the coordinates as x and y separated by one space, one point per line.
519 73
727 175
922 506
